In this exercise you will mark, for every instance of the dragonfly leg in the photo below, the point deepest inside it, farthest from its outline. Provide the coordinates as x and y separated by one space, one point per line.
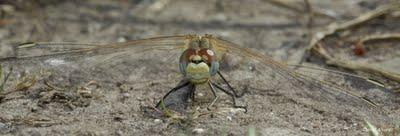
192 94
230 87
173 90
232 96
214 94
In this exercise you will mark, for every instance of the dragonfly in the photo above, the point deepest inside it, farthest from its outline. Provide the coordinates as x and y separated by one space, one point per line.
194 60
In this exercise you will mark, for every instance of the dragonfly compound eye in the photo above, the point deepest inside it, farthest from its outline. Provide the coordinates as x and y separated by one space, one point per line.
204 44
194 44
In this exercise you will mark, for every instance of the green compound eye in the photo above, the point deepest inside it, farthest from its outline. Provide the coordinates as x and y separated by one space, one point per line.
204 44
194 44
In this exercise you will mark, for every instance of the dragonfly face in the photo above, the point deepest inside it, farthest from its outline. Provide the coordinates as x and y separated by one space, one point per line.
198 62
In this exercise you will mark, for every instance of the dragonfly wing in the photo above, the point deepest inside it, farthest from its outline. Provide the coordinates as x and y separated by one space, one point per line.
52 49
251 71
119 61
149 66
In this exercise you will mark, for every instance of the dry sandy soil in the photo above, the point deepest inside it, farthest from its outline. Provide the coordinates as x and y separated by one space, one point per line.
115 97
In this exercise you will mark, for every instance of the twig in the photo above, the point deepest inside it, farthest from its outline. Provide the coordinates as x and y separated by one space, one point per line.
316 46
5 78
1 75
377 37
40 122
310 21
298 10
48 84
334 27
24 84
359 45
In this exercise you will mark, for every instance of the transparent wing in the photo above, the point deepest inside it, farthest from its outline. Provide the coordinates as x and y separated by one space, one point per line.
149 66
130 61
321 90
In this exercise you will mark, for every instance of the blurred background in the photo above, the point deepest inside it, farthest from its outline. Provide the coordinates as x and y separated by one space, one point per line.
278 28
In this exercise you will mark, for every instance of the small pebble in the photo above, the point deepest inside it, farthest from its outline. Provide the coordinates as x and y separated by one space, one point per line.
3 128
229 118
125 95
200 94
157 121
198 130
119 133
121 39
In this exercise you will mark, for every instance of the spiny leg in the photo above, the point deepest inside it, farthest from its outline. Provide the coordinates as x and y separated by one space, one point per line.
230 87
230 94
192 94
214 94
173 90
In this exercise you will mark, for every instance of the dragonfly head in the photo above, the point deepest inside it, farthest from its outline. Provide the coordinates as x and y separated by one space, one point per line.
197 70
198 62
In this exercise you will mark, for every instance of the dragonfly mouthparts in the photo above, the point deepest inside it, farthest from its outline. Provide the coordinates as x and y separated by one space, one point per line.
197 61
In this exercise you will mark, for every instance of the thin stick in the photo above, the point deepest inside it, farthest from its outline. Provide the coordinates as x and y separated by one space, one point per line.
6 78
310 20
297 9
377 37
334 28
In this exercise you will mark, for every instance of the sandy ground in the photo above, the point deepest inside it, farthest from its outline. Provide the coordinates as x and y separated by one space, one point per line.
110 96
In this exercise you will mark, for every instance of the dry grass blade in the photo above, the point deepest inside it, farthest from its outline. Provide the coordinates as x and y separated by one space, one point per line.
295 9
377 37
372 130
386 131
1 75
310 20
40 122
316 46
359 46
5 78
51 86
25 83
334 27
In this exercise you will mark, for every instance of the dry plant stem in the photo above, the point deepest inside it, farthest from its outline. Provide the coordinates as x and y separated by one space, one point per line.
295 9
5 78
377 37
334 27
46 82
310 21
356 66
316 47
21 86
